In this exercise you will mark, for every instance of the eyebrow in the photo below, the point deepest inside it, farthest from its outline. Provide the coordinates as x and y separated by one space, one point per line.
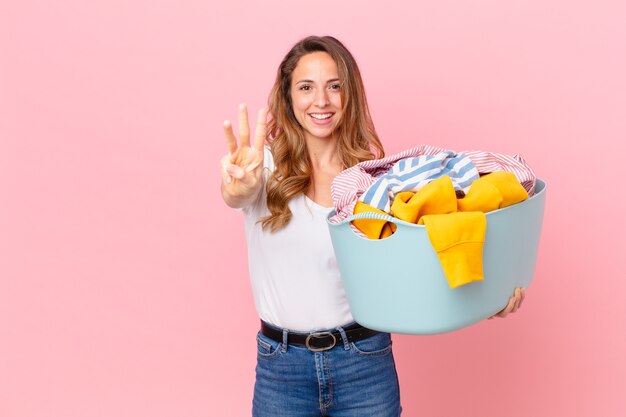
313 82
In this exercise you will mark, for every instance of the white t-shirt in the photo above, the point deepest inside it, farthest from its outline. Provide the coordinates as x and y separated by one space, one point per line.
294 274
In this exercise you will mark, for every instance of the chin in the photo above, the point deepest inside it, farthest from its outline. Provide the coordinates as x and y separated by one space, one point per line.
322 135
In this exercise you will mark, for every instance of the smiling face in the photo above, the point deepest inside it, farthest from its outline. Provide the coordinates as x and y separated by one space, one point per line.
316 95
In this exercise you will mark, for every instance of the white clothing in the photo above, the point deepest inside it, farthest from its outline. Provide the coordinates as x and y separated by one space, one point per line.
294 274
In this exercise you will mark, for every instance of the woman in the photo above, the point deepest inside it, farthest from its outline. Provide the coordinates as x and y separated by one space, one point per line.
313 359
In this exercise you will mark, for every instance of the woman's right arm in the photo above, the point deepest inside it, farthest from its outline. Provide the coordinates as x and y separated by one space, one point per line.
242 167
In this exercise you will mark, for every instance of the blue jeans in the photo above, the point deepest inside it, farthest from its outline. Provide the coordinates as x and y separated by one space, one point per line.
352 379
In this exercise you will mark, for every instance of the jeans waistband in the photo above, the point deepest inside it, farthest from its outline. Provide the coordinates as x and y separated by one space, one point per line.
318 340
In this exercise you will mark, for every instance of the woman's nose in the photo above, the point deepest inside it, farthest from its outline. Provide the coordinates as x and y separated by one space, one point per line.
321 97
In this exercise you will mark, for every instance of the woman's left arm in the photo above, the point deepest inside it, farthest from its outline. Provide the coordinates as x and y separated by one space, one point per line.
515 302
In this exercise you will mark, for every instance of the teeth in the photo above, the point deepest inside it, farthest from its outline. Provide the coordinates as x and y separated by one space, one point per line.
321 116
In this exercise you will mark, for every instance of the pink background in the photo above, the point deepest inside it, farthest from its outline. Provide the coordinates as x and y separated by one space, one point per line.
123 276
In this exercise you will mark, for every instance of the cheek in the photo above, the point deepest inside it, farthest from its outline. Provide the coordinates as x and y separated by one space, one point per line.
336 100
300 103
296 107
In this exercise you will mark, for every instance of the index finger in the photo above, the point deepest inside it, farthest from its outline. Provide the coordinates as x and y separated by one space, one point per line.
261 130
231 140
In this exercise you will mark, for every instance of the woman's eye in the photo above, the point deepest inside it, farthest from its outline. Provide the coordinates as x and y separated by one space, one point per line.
305 88
335 86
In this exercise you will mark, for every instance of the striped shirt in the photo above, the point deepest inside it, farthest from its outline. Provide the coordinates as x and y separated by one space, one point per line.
354 183
487 162
412 174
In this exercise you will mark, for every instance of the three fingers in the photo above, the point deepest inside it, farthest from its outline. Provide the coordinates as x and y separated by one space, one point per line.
244 130
230 168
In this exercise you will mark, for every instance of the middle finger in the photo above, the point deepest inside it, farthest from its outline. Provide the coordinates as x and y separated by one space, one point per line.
244 127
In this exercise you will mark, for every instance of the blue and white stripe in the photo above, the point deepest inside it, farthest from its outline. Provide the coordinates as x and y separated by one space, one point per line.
412 174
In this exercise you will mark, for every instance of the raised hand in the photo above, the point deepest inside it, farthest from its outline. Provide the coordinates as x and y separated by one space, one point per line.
242 167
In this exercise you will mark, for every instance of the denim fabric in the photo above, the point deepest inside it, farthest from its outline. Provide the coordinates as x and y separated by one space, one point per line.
352 379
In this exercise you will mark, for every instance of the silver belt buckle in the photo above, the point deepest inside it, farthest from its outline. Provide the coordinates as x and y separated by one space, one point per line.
317 335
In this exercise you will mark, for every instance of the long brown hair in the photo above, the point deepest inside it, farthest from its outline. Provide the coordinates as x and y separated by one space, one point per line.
357 138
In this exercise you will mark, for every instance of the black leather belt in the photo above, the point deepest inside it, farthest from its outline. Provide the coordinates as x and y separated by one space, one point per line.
319 341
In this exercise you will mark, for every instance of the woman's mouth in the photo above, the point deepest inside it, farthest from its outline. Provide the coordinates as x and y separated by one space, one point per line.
321 118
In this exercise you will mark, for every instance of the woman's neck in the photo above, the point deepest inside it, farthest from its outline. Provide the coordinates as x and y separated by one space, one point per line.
323 153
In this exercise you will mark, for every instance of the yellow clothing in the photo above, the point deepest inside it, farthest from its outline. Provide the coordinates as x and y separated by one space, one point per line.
456 227
493 191
437 197
458 239
373 228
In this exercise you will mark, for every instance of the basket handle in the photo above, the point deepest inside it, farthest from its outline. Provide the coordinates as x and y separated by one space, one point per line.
376 216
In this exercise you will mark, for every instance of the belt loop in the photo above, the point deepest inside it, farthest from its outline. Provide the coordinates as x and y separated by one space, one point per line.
344 337
285 339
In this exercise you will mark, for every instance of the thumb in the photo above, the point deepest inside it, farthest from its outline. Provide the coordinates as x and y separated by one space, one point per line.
235 171
253 166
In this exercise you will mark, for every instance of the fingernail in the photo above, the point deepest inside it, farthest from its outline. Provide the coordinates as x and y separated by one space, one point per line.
229 179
